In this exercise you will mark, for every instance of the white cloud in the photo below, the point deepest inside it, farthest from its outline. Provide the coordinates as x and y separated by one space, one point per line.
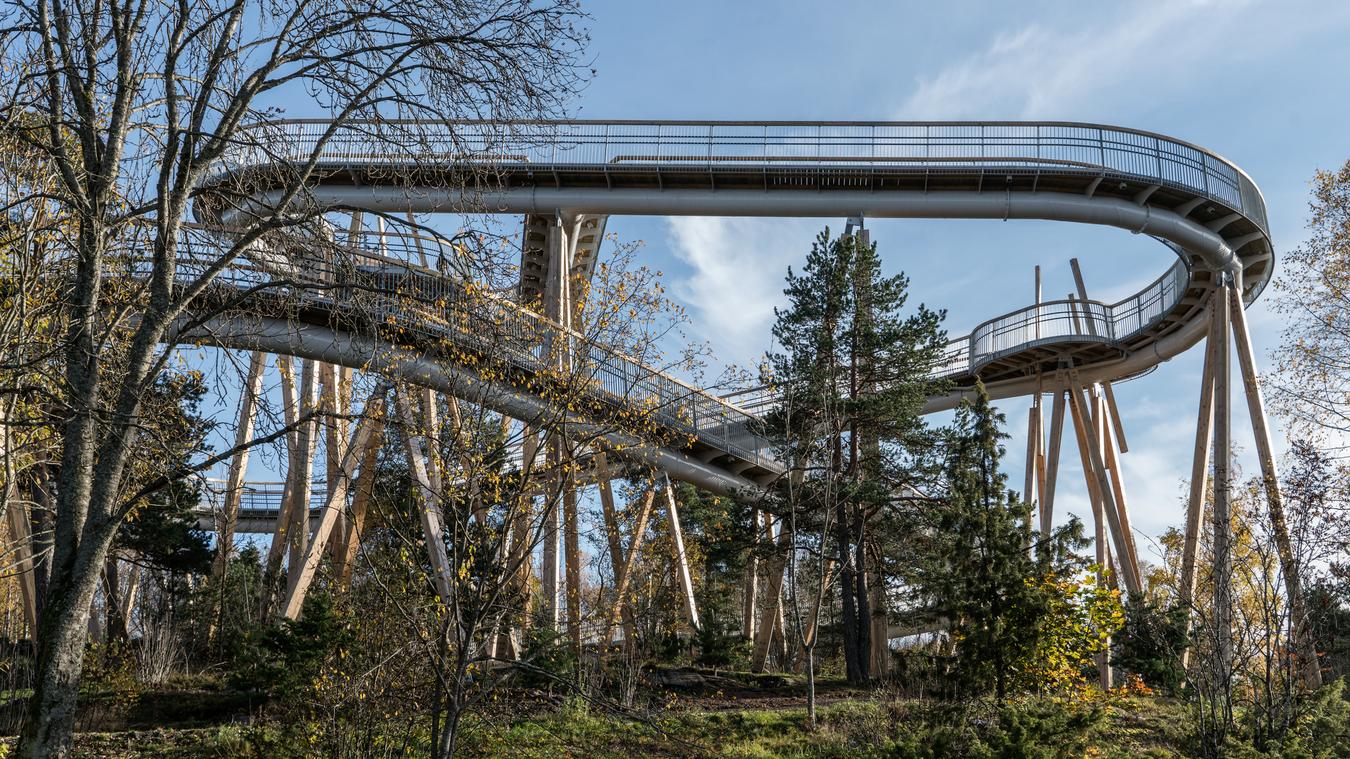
737 269
1048 72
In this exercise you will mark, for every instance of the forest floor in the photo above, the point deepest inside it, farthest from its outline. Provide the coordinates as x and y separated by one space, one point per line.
684 713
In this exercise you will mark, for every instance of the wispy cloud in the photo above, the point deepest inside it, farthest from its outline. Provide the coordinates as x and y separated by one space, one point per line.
1042 71
736 276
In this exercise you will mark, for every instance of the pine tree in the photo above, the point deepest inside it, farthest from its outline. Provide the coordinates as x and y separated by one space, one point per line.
854 375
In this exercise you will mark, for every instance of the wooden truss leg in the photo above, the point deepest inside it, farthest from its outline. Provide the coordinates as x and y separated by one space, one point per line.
428 503
1222 517
1289 565
1052 462
1104 490
304 477
302 575
1029 493
615 539
625 576
290 405
1080 429
337 437
1117 479
1195 508
234 480
681 559
549 585
750 585
21 538
768 619
572 560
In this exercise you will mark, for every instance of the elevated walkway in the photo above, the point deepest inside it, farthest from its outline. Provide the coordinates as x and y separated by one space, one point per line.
1203 207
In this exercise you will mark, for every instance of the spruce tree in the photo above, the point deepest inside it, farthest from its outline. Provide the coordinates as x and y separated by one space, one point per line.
984 561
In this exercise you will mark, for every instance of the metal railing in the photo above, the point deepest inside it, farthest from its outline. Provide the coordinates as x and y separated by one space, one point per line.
617 146
1076 320
440 310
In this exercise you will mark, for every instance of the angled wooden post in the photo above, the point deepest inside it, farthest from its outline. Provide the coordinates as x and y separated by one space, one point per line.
21 538
681 558
1200 461
290 412
1289 565
302 575
572 560
1117 482
234 479
1033 449
363 489
775 568
1222 517
337 439
750 583
1052 460
1104 491
1080 428
625 577
615 540
428 502
303 488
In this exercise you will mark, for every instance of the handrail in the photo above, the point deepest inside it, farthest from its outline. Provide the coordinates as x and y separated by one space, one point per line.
441 308
1014 147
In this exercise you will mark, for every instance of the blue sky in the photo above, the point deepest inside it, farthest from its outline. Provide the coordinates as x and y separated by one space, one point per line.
1260 83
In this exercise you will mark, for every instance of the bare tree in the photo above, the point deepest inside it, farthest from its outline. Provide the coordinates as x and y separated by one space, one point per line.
134 104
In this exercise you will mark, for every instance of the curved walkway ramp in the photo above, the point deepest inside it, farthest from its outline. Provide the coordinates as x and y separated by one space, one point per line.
1204 207
373 312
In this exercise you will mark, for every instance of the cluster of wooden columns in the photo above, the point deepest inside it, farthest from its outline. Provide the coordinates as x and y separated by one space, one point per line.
1100 437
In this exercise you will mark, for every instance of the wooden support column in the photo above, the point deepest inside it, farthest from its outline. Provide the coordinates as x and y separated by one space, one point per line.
1311 672
303 478
1080 428
1033 449
558 307
364 488
681 558
290 406
302 574
1222 517
337 437
615 540
750 583
1103 551
21 538
1052 461
625 577
1106 386
775 568
1117 480
1200 461
1104 490
234 479
428 503
572 560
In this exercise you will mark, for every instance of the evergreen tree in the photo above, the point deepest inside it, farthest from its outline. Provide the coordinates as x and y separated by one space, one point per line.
985 563
854 375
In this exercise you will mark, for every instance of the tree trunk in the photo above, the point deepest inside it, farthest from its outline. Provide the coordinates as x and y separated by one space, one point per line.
50 724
